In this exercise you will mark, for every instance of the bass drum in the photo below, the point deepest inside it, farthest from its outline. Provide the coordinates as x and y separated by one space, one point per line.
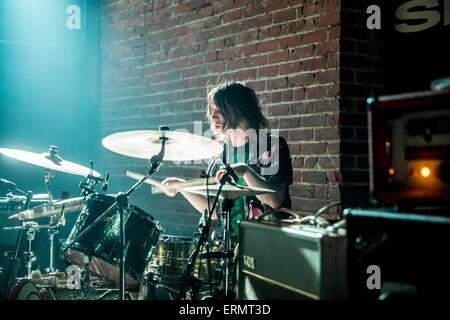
26 289
101 243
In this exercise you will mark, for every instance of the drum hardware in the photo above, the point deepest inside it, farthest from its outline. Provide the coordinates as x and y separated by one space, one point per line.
227 191
52 231
232 191
31 228
86 287
90 181
13 266
143 144
56 212
47 176
29 255
121 203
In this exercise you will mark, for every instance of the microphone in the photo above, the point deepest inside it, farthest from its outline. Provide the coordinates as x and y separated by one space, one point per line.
231 173
105 182
8 184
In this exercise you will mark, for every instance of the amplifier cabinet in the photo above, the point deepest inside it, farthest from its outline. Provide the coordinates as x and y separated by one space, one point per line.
409 148
290 261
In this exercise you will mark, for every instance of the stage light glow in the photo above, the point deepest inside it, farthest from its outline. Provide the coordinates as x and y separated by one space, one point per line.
425 172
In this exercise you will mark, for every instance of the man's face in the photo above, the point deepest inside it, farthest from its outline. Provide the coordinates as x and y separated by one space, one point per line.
216 118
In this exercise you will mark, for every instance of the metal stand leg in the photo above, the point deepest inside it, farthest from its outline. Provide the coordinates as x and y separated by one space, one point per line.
122 203
30 255
85 285
52 232
227 261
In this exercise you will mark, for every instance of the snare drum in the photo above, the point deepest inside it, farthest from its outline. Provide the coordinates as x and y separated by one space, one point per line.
101 243
170 259
171 256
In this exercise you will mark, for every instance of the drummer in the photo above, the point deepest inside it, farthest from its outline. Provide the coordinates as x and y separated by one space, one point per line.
259 159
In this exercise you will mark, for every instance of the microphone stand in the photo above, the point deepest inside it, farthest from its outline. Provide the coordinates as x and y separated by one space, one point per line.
122 202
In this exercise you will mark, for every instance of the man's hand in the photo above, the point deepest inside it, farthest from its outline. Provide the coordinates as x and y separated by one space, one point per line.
239 168
170 187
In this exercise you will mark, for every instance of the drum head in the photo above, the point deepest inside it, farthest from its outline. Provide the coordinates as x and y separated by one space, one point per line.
24 290
101 241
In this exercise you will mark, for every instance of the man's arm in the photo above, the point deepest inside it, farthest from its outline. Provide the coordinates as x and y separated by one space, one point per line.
199 202
273 199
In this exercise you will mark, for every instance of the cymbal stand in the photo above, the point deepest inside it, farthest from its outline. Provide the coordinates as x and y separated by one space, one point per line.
13 269
90 181
121 203
47 176
227 259
30 257
205 231
52 231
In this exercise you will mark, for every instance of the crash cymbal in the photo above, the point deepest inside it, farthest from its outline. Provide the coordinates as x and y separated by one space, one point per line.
50 210
49 161
228 191
179 146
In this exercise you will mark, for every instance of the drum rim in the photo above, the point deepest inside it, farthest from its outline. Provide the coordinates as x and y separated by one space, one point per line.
19 285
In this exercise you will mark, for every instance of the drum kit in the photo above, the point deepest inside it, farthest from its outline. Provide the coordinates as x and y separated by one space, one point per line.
117 242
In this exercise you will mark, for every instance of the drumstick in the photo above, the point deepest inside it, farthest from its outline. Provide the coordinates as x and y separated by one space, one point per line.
157 186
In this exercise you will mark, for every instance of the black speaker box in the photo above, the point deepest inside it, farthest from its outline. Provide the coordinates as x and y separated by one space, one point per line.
410 252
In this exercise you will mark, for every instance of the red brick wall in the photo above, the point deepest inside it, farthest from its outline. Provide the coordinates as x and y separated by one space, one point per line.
160 57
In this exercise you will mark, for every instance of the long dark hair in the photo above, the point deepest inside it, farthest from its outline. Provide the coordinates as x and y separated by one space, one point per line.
237 102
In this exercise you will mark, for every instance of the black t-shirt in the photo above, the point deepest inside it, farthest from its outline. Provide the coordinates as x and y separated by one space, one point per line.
269 156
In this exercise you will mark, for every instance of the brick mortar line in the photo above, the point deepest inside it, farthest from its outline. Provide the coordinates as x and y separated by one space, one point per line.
210 74
221 25
142 16
203 53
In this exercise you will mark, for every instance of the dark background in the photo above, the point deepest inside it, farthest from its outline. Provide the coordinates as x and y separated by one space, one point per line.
413 60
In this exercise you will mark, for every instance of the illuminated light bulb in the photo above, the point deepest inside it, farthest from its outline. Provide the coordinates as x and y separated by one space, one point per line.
425 172
391 171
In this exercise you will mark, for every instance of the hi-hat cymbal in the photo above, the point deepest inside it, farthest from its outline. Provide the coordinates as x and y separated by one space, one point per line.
157 187
50 210
228 191
48 161
179 146
37 196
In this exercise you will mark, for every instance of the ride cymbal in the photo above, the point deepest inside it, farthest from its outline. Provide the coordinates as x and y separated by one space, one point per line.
179 146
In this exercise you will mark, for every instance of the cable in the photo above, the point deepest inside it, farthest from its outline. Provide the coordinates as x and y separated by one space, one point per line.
323 209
